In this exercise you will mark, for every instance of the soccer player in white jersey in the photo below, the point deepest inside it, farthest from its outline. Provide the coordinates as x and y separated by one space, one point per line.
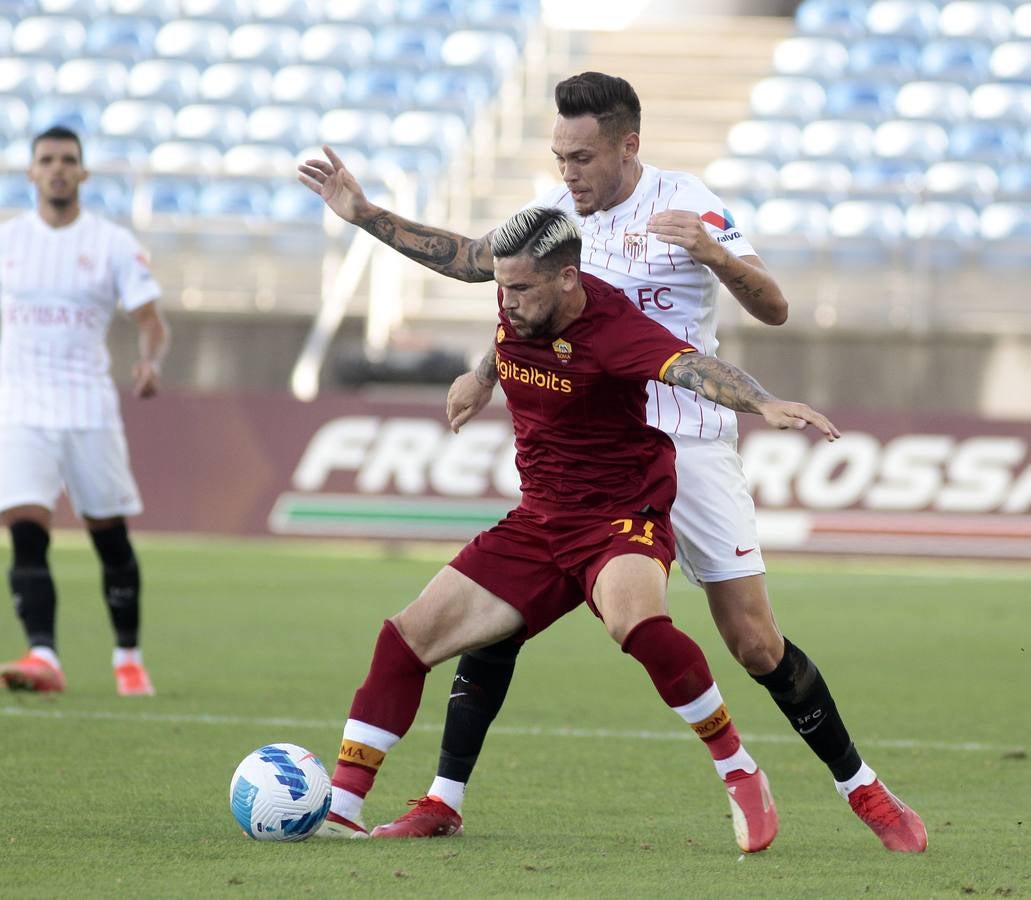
63 273
667 242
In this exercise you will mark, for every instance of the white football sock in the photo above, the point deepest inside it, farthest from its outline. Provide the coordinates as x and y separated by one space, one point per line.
865 775
347 805
48 654
740 759
123 655
451 792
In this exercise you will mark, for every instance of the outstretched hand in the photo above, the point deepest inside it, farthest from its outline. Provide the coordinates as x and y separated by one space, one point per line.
786 414
687 229
331 180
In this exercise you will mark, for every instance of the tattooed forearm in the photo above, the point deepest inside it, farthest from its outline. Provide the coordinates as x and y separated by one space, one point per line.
717 380
741 289
450 254
487 371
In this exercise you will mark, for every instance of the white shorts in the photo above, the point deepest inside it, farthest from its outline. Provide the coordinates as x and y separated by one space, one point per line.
92 465
714 516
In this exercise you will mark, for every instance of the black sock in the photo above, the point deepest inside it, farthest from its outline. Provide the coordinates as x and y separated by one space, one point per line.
798 688
121 582
32 588
480 685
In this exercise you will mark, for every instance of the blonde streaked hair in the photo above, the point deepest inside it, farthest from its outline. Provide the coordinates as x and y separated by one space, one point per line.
546 234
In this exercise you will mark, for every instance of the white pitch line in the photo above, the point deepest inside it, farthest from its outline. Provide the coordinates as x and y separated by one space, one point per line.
511 730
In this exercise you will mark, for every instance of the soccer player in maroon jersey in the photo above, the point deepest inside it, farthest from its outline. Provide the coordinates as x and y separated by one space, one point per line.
573 358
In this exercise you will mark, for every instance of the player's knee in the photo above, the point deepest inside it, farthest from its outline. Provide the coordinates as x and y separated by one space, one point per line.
113 545
29 544
757 650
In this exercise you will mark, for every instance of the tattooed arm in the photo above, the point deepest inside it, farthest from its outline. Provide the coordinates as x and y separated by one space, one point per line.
746 277
470 392
463 258
728 385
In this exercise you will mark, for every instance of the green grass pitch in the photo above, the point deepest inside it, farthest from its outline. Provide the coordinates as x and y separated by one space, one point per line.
588 786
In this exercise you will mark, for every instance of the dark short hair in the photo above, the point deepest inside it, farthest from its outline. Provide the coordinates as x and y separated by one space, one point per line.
57 133
611 100
548 235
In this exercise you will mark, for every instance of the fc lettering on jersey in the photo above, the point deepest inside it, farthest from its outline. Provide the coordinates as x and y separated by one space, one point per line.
651 296
549 381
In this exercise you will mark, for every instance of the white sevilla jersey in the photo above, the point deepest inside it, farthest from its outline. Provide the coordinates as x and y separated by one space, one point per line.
58 290
663 281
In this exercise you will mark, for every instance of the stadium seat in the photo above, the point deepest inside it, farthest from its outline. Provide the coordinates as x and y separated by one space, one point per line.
1014 182
170 196
841 19
186 157
1006 232
1021 21
462 91
790 232
101 79
116 153
364 129
409 46
216 123
337 45
230 12
814 57
768 139
383 88
289 12
243 84
937 100
974 182
166 80
265 160
479 50
916 19
16 154
14 117
864 232
288 126
857 98
1002 102
82 115
841 139
900 179
821 179
79 9
157 10
295 204
787 97
6 31
56 37
145 120
16 193
127 38
107 196
437 12
440 132
955 59
26 78
884 58
747 178
941 234
193 40
988 142
308 85
274 45
1012 62
978 19
513 17
249 199
904 138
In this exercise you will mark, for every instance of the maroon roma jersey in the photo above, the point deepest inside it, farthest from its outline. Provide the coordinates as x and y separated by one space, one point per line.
578 406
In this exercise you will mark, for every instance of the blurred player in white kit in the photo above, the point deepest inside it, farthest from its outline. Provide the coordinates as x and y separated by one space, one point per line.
63 273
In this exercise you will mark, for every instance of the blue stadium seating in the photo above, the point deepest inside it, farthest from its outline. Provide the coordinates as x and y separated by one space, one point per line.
972 182
410 46
194 40
1002 102
16 193
787 97
107 196
365 129
127 38
842 19
291 127
1014 182
186 157
170 81
755 179
242 84
477 50
116 153
936 100
383 88
885 57
56 37
814 57
14 116
247 198
222 124
955 59
1006 230
465 92
769 139
340 45
981 20
257 159
265 42
821 179
156 10
917 19
856 98
985 141
843 139
908 139
1012 62
170 196
26 78
866 231
294 203
791 232
101 79
900 179
145 120
290 12
79 114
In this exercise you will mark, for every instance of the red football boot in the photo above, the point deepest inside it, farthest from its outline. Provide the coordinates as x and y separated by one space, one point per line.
428 817
898 827
752 809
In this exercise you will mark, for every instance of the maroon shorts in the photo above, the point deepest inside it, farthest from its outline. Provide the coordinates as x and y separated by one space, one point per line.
544 564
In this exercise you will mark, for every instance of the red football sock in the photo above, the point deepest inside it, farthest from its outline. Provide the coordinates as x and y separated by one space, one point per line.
388 699
675 663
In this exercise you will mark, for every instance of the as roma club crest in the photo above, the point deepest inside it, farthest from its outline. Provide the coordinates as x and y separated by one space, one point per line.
563 350
635 244
500 336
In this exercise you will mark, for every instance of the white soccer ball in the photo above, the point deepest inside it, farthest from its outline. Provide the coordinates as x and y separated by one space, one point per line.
280 792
